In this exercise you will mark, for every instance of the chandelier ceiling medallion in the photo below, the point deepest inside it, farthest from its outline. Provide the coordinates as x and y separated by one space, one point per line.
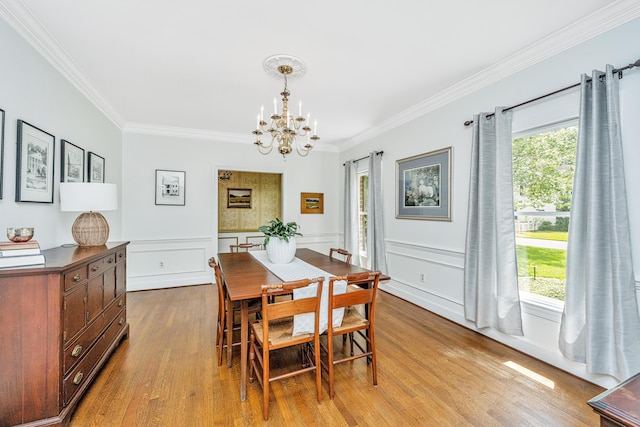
286 129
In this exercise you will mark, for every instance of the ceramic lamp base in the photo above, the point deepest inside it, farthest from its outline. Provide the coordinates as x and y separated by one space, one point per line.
90 229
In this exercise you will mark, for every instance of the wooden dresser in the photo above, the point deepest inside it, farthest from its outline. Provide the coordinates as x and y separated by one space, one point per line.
60 323
619 406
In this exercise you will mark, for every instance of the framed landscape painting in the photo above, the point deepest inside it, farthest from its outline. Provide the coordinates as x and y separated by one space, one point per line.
423 187
239 198
170 187
72 163
312 203
34 164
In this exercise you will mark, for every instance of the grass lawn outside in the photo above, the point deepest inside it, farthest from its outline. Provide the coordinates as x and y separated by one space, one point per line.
548 276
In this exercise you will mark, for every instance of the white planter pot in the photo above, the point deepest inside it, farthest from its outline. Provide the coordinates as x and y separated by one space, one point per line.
281 252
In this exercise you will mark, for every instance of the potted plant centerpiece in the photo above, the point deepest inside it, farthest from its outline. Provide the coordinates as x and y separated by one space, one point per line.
280 240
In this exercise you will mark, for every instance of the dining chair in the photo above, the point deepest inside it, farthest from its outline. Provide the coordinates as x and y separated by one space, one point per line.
226 316
361 294
246 246
275 331
345 253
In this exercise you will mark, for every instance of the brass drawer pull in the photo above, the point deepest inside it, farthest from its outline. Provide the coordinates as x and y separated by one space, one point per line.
95 268
121 321
110 261
78 378
76 278
120 303
76 351
120 255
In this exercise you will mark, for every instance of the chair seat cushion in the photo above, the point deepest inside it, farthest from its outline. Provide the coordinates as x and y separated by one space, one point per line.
280 332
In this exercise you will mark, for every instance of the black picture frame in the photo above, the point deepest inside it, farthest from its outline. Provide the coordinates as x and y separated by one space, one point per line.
95 168
1 151
170 187
34 164
71 162
423 186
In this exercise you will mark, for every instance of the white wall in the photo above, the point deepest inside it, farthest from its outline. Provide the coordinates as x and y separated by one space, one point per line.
171 244
437 248
33 91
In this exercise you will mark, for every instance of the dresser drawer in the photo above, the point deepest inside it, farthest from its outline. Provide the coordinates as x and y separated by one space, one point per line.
79 347
112 311
121 255
84 369
97 267
75 277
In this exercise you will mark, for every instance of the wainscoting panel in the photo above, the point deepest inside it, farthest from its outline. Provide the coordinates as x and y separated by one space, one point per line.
427 274
168 263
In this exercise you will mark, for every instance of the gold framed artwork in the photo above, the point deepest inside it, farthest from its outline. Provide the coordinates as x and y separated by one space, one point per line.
312 203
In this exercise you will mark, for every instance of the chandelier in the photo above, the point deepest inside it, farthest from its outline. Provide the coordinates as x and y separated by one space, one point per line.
285 128
224 175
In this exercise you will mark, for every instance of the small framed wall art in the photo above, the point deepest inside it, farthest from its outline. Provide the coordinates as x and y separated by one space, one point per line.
72 163
312 203
34 164
239 198
95 168
423 187
170 187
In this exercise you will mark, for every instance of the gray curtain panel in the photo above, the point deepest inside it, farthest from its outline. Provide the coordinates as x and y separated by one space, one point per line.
375 225
351 211
600 323
491 297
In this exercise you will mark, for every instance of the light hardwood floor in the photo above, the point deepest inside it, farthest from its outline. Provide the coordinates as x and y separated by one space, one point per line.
431 372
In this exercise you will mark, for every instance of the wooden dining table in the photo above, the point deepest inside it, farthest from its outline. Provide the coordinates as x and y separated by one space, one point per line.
244 277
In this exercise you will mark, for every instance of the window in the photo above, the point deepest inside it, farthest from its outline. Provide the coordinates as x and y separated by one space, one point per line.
363 200
543 168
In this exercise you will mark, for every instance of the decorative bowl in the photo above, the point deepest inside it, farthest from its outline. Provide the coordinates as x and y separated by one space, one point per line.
20 234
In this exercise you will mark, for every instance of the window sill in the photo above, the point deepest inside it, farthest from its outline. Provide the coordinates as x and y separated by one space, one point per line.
546 308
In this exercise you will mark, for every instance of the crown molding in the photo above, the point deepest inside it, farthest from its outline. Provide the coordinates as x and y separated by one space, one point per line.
22 20
201 134
605 19
580 31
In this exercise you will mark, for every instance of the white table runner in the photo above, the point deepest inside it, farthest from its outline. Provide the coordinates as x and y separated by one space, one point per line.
296 270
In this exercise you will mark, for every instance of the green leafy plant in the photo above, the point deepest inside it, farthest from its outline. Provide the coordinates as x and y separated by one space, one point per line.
277 228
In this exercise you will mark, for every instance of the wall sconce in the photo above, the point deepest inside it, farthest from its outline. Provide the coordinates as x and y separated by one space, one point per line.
90 228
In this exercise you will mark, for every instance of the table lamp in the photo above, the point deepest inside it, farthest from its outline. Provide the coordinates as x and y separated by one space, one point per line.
90 228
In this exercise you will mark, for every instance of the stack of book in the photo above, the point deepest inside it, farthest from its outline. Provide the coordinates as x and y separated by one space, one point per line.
20 254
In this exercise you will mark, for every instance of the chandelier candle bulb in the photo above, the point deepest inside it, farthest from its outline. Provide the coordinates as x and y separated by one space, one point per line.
300 109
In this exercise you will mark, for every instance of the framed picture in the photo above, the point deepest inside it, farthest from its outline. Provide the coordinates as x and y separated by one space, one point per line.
170 186
95 168
1 151
423 188
312 203
71 162
34 164
239 198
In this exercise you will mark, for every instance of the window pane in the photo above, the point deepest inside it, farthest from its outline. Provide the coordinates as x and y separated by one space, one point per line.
543 168
363 198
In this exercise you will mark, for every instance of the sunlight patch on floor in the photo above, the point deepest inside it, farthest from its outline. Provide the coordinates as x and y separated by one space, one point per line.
524 371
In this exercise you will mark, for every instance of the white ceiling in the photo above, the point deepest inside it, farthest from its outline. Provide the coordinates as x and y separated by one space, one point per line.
195 66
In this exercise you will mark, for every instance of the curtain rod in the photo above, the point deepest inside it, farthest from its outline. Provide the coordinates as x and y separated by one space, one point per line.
379 153
617 70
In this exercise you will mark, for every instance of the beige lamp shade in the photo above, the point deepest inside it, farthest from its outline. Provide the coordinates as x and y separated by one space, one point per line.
90 228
